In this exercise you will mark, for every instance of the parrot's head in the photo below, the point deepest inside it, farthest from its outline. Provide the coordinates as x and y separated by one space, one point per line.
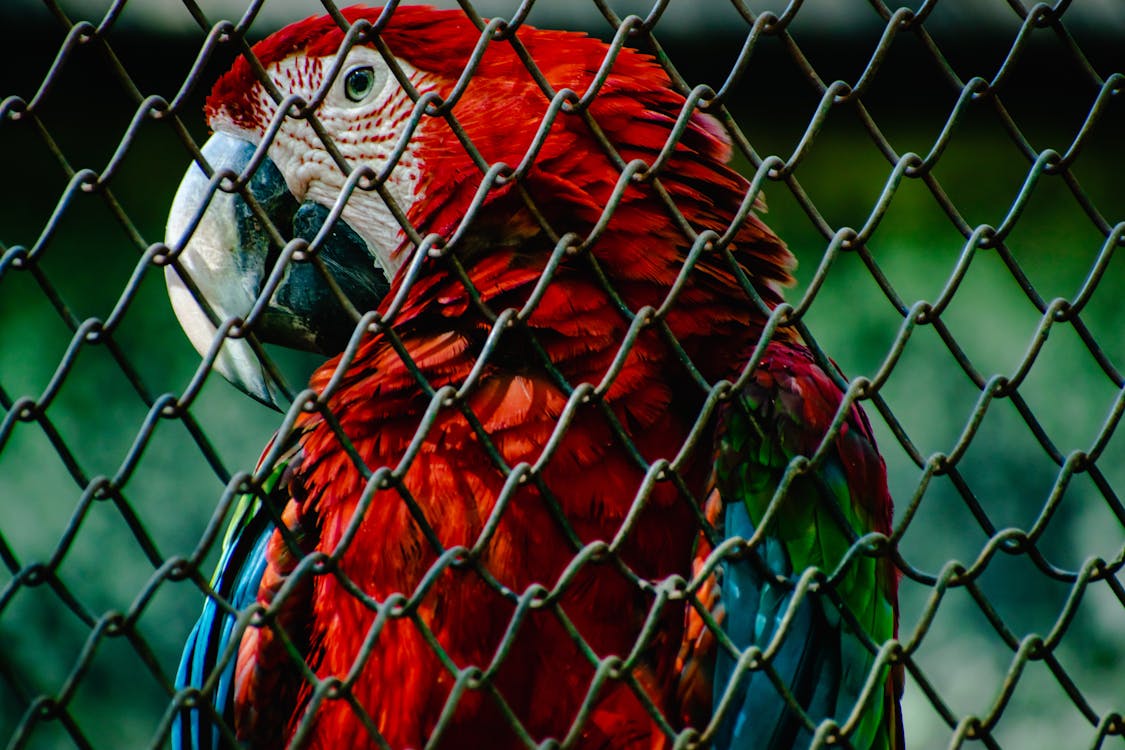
231 238
421 169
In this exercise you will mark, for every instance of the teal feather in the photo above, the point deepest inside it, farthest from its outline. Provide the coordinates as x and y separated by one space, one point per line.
236 580
782 413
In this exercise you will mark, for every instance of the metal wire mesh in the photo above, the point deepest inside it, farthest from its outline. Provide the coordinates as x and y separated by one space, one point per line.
998 560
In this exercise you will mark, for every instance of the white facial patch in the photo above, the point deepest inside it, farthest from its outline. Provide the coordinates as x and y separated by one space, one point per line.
365 125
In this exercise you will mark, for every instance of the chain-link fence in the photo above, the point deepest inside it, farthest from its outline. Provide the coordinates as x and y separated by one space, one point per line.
953 194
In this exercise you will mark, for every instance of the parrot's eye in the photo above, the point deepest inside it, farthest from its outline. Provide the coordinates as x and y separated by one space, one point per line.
359 82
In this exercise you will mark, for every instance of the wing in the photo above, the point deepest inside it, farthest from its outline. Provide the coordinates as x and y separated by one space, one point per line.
209 650
784 411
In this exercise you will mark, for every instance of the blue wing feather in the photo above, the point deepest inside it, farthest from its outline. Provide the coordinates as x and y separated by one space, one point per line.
808 661
782 413
240 573
236 581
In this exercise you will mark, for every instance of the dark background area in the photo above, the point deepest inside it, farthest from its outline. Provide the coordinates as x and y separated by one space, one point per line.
118 700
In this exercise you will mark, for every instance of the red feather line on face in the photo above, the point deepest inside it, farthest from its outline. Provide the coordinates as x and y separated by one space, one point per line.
454 481
503 107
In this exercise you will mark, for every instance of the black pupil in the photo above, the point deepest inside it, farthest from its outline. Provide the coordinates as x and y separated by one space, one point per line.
358 83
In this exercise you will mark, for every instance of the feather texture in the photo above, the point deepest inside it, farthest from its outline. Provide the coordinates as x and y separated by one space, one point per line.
236 582
387 542
785 412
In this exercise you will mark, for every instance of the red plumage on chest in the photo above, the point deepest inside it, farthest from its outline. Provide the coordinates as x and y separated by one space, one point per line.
572 529
488 497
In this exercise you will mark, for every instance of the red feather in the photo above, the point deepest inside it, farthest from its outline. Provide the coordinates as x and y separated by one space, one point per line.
543 677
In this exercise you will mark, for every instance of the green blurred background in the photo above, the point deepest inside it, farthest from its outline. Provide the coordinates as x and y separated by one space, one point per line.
96 412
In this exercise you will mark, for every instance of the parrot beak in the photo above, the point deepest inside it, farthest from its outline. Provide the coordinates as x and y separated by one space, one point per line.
228 256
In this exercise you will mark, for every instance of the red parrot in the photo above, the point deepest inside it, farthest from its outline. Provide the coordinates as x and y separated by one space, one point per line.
535 508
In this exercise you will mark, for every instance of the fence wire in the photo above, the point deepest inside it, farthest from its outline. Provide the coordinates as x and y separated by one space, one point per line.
72 642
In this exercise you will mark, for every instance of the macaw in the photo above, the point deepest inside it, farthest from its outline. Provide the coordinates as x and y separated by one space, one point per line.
561 488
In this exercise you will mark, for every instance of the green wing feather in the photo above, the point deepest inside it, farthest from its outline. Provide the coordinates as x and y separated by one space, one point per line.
784 412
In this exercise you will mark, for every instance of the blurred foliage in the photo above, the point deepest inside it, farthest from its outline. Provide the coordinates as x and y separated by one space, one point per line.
97 413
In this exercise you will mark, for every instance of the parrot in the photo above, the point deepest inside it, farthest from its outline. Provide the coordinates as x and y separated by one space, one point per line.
564 479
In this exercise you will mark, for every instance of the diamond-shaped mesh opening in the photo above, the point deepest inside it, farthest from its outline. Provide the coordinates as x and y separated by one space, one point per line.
948 178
